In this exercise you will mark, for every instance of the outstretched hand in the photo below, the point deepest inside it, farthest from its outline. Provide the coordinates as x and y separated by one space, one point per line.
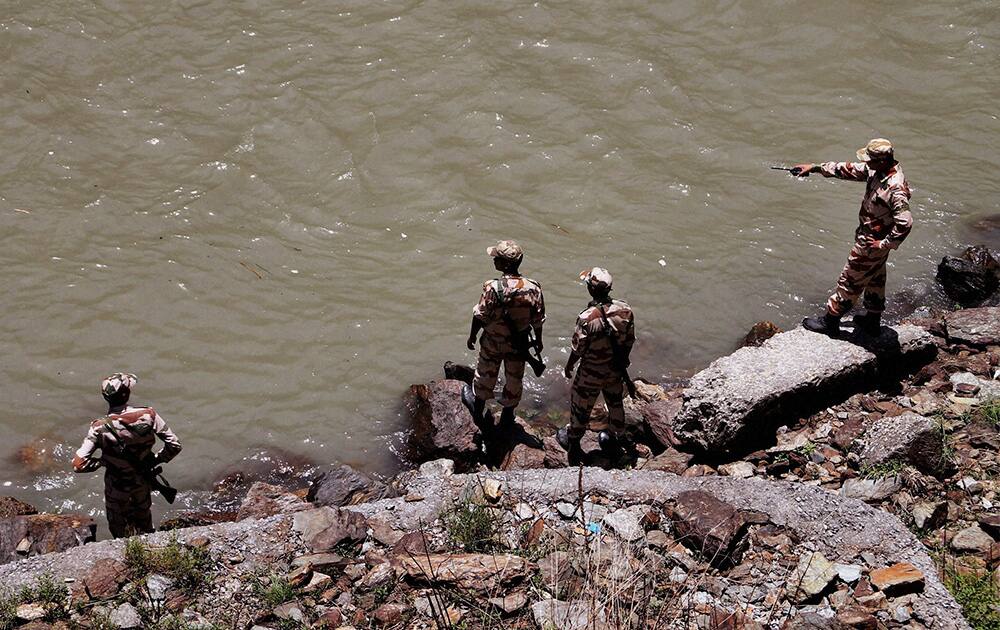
802 170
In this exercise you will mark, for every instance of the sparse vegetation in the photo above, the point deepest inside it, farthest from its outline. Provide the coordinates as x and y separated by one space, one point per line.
978 596
989 412
274 590
472 526
8 609
187 567
881 470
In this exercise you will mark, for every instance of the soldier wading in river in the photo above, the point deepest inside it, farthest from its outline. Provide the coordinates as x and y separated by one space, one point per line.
125 438
602 342
885 220
509 308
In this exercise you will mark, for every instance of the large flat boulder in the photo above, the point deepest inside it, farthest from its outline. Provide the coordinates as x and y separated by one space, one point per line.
36 534
974 326
735 404
441 425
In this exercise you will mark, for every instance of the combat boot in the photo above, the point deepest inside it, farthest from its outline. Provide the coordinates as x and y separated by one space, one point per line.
869 323
507 419
475 405
571 445
828 324
620 450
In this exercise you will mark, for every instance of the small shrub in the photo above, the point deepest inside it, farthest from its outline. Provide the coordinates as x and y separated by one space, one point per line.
978 597
881 470
275 591
472 526
989 411
188 568
8 609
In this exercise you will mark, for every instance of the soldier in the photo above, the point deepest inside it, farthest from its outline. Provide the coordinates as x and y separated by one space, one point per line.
885 220
513 297
125 438
601 327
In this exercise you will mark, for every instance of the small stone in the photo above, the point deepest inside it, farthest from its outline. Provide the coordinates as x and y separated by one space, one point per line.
678 575
898 579
389 614
566 510
523 511
848 573
990 524
871 490
492 490
412 497
380 574
972 539
929 515
901 614
24 546
125 617
811 577
511 602
739 470
30 612
625 523
290 610
658 539
319 582
970 485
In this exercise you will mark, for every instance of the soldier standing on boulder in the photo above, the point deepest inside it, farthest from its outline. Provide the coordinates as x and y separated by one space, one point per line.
510 298
602 342
885 222
125 438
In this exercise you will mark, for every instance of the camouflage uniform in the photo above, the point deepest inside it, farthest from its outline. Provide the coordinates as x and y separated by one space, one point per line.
122 437
885 216
596 373
522 297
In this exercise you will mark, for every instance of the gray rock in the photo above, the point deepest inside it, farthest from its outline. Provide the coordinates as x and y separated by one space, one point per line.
810 578
739 400
337 486
972 539
929 515
909 437
125 617
625 524
264 499
974 326
739 470
575 615
871 490
970 485
566 510
324 528
848 573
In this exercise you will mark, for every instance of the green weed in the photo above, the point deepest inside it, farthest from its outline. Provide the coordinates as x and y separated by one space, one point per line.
273 590
8 609
989 411
188 568
978 597
881 470
472 526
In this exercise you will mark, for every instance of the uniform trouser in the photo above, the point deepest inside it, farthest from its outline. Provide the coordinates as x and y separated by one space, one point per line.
488 369
863 273
129 514
589 383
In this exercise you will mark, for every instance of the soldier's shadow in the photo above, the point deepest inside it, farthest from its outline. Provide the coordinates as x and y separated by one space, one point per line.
502 440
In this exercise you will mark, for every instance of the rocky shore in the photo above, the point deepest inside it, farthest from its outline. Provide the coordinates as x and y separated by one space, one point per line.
800 482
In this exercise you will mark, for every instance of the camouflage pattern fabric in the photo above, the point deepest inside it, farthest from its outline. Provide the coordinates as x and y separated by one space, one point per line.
884 215
123 437
526 306
116 382
596 374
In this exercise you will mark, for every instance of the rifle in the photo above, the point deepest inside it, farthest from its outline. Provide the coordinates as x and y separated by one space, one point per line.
617 355
522 340
794 171
149 471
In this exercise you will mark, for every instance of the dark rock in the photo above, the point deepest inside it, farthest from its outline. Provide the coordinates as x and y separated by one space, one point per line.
105 578
759 333
990 524
9 506
738 402
843 436
974 326
523 457
324 528
390 614
659 417
441 424
910 438
670 460
555 456
264 499
336 486
856 617
970 278
411 544
710 527
459 372
37 534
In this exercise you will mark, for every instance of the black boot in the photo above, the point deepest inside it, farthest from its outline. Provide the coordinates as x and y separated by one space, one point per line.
507 418
570 445
475 405
827 324
869 323
620 450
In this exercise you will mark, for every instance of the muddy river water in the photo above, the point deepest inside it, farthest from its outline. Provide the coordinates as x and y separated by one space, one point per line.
275 212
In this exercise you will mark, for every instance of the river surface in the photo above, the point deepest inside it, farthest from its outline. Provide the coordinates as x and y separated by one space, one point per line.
275 212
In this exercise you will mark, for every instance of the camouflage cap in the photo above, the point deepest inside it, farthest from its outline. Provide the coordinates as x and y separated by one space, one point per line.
876 149
508 250
597 278
116 382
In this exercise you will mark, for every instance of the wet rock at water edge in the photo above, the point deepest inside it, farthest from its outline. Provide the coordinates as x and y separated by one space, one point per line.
336 486
970 278
441 425
264 499
37 534
9 506
759 333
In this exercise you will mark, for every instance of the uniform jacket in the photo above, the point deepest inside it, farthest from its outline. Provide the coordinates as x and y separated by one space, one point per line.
590 339
885 209
523 301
